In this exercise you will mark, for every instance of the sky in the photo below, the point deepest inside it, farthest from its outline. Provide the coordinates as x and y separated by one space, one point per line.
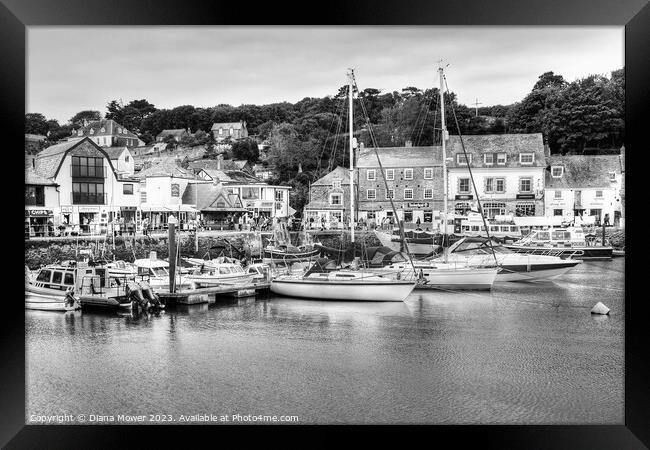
70 69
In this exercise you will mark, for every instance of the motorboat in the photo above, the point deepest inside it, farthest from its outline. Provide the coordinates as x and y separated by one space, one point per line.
514 266
260 272
52 289
324 282
565 242
418 242
156 273
216 273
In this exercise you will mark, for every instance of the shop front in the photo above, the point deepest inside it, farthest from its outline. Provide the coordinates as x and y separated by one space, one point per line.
258 208
158 215
39 223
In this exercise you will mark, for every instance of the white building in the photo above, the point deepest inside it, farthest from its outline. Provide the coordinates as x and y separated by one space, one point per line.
90 191
508 171
584 188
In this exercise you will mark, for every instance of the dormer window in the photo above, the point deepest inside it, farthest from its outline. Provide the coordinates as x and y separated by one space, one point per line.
92 131
460 159
336 184
103 130
526 158
80 133
488 159
501 158
119 130
612 176
557 171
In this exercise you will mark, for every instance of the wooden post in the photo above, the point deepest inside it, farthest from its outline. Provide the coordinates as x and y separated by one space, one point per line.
603 234
172 257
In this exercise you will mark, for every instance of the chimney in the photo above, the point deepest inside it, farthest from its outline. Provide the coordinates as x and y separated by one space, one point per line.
547 150
85 122
361 146
219 160
408 144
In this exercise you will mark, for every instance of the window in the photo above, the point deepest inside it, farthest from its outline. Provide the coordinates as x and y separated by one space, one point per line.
612 176
336 199
83 166
279 196
176 190
68 279
390 174
492 209
250 193
408 174
92 131
44 275
599 194
558 194
495 185
336 184
557 212
80 132
371 194
119 131
526 158
88 193
57 277
127 189
461 208
408 194
557 171
428 193
220 131
428 173
103 130
231 131
463 185
143 196
525 209
371 175
460 159
35 195
336 216
126 158
502 158
488 159
525 184
390 194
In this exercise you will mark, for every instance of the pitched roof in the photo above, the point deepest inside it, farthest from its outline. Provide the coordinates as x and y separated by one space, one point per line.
114 152
110 127
234 164
582 171
400 156
512 144
49 159
340 173
209 196
165 169
236 125
31 177
174 132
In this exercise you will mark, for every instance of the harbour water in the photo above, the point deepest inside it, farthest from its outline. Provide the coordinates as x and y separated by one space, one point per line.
521 354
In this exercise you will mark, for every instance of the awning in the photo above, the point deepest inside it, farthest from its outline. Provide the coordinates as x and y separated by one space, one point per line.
167 208
211 209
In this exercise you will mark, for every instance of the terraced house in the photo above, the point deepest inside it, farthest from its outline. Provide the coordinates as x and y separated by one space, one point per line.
106 133
329 199
415 180
508 171
584 188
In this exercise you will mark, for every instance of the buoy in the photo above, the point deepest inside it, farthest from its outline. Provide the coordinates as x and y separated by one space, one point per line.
599 308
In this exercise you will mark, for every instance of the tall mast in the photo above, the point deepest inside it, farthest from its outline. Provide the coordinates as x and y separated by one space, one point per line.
444 151
351 120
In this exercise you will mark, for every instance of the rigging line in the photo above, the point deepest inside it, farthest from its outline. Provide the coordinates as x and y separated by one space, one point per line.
480 208
421 107
335 119
424 107
425 119
383 176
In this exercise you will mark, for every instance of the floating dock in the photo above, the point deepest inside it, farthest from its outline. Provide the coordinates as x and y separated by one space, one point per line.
203 295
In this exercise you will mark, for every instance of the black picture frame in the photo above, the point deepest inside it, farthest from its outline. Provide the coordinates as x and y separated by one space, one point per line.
16 15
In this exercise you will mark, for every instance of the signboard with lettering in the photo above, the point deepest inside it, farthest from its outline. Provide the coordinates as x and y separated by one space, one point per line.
83 209
66 209
38 212
464 197
525 196
418 205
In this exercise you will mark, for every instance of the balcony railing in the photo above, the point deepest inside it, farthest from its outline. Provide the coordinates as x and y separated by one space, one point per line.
84 198
35 201
88 171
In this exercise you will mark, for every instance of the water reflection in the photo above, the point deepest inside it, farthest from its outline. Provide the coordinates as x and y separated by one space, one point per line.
522 353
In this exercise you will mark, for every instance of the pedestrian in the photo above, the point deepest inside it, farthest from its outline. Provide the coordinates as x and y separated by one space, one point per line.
417 222
145 226
607 219
322 222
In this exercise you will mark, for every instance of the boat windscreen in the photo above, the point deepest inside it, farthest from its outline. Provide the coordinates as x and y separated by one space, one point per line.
478 245
321 265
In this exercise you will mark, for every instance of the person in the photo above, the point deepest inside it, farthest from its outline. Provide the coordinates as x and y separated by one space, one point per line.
85 225
50 227
132 228
417 222
606 220
322 222
240 223
145 226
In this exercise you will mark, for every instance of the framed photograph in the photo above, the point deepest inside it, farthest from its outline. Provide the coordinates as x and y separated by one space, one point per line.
375 214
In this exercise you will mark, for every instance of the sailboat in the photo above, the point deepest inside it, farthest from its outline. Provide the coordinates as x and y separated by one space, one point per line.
324 282
434 274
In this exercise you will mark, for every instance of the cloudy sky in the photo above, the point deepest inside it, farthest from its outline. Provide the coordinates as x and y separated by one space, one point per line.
70 69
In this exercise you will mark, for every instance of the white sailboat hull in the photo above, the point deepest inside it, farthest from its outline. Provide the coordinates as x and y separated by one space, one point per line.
445 276
361 291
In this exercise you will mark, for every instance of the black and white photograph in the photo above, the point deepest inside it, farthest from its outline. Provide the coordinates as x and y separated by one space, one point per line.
316 225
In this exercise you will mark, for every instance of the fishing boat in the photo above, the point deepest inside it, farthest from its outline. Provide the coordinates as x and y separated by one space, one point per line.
514 266
324 282
566 242
52 289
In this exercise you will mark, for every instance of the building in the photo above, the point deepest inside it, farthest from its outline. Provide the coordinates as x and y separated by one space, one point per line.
329 198
258 197
90 192
162 187
579 187
122 160
264 172
41 201
414 177
106 133
215 202
508 171
232 130
177 134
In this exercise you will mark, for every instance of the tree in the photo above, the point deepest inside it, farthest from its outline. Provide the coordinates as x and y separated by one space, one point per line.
245 149
87 115
35 123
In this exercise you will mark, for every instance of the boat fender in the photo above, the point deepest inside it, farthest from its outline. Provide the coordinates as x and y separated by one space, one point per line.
399 275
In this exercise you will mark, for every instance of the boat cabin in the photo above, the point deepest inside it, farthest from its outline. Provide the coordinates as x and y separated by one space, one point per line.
152 268
556 237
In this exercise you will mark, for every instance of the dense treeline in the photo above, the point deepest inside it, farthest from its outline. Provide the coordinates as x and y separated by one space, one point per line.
308 138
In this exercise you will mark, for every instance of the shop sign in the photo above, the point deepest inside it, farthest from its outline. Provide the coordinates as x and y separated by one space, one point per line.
128 208
266 205
525 196
66 209
38 212
89 209
418 205
464 197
